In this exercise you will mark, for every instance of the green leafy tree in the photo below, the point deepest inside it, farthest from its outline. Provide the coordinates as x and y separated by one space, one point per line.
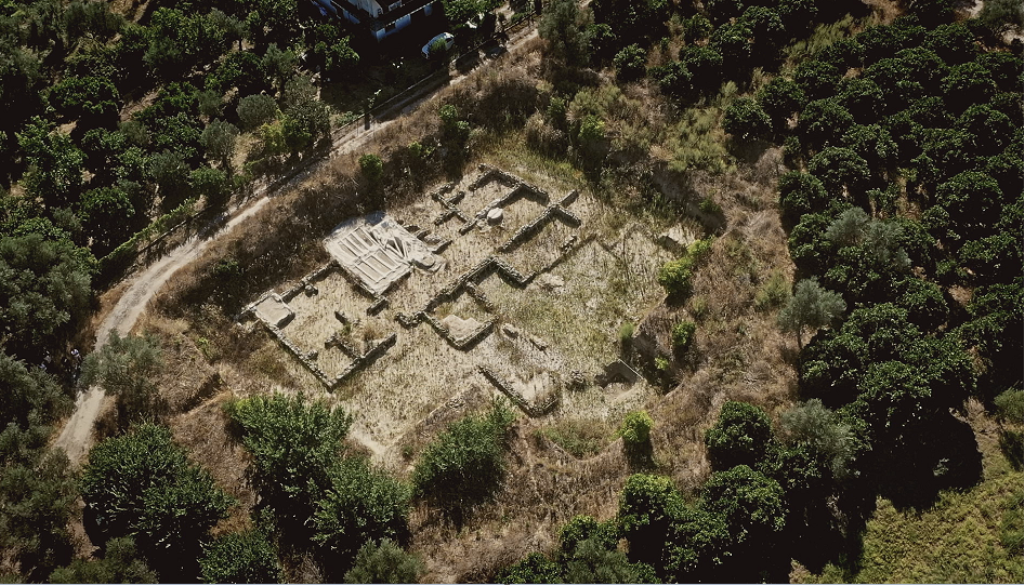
280 65
361 505
698 547
307 120
122 562
180 42
243 70
372 167
466 464
812 307
751 505
996 313
822 431
241 557
535 568
817 78
127 367
723 10
219 141
1000 15
862 98
91 99
630 63
953 43
594 562
562 25
965 208
993 128
636 428
822 122
780 99
107 214
581 528
31 396
745 120
44 291
840 169
38 494
735 42
256 110
142 485
966 85
458 12
169 170
741 436
801 194
648 507
294 444
632 22
874 144
925 304
210 183
766 25
384 562
55 163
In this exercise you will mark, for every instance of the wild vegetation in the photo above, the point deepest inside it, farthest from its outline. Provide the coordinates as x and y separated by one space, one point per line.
838 347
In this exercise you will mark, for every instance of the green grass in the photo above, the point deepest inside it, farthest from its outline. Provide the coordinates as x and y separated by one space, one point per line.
822 37
962 539
581 438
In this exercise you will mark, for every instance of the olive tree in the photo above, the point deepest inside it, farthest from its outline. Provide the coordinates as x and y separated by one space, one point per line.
810 307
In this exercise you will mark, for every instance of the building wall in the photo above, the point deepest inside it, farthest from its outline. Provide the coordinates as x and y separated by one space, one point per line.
370 6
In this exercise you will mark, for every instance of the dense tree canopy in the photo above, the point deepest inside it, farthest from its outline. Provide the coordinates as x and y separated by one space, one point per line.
142 485
466 464
241 557
294 444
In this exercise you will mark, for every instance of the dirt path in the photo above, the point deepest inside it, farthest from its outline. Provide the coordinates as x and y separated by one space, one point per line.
76 436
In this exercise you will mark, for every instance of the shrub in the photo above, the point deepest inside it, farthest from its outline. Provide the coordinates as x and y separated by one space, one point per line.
1010 406
241 557
810 306
676 277
741 436
582 528
294 443
745 120
372 167
466 464
630 63
385 562
1012 445
682 335
141 484
780 99
256 110
626 333
582 438
636 429
361 505
708 205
